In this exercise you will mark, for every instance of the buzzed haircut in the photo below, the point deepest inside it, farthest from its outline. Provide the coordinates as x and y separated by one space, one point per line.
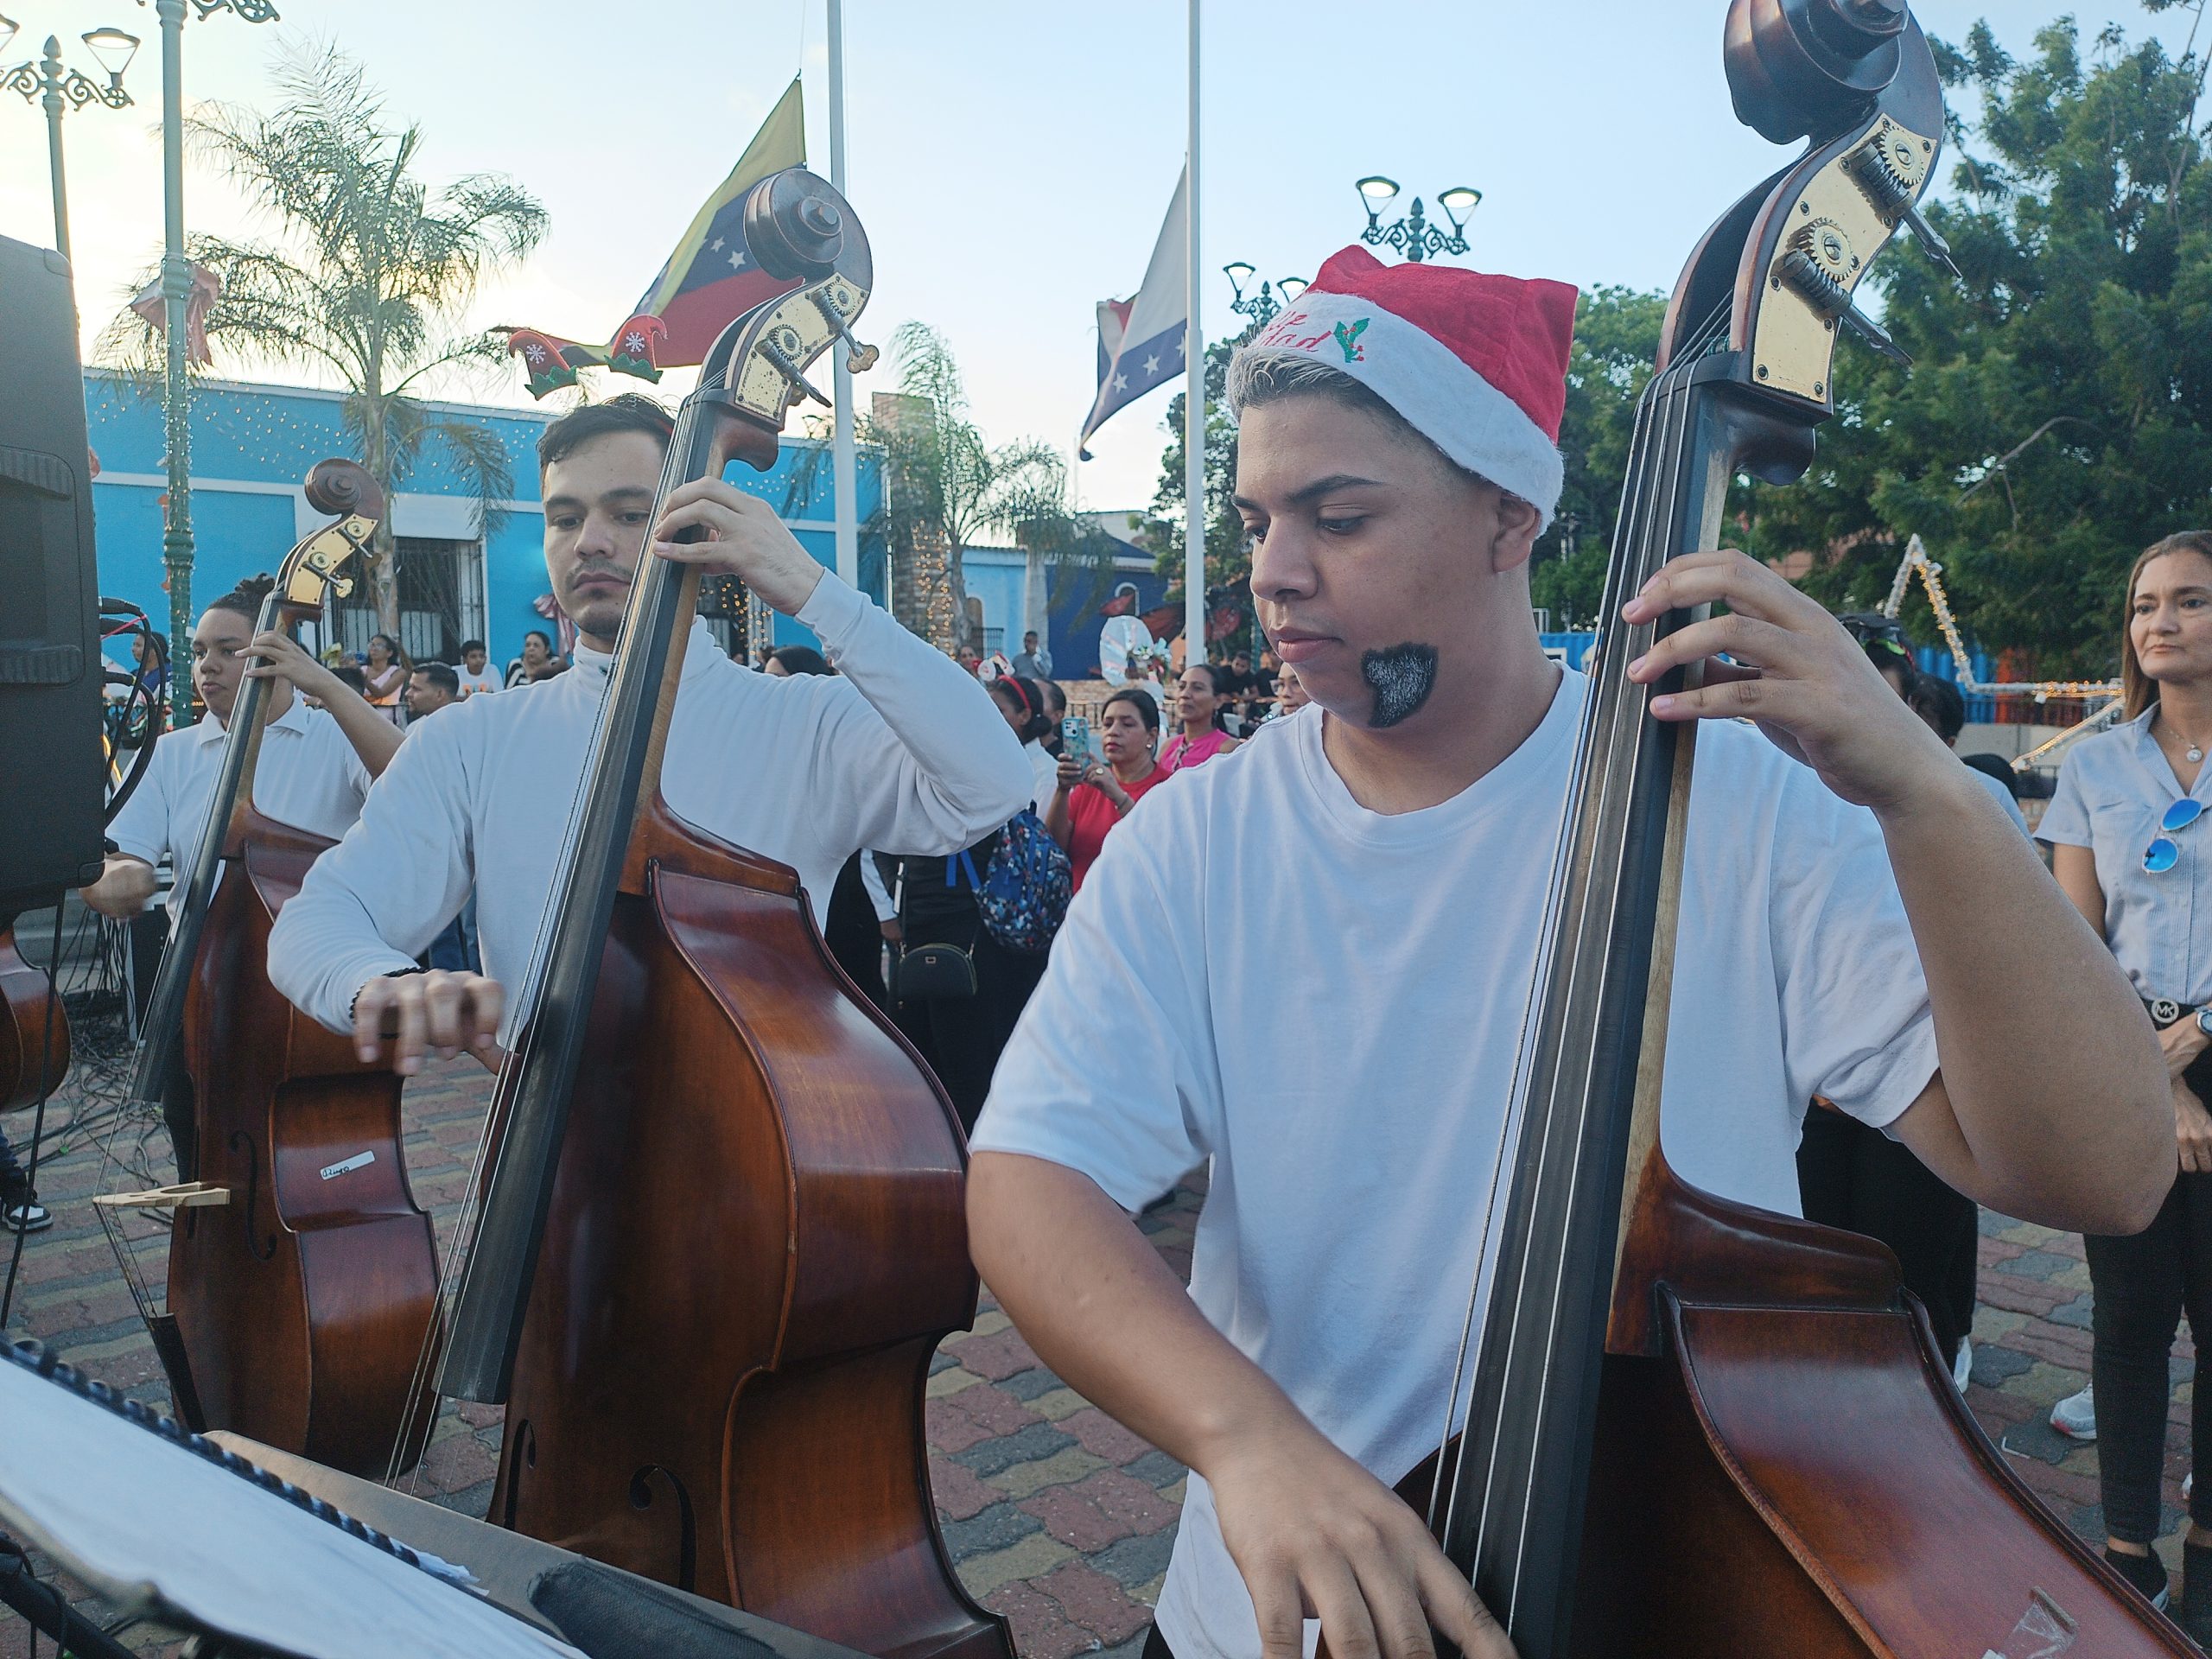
441 676
630 412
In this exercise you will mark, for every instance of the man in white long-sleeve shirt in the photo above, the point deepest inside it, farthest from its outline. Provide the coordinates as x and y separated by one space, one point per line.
901 750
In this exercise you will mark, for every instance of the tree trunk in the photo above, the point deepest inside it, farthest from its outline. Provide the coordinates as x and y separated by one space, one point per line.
384 550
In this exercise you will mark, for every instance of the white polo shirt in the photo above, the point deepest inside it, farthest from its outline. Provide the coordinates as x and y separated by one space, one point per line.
306 775
1324 1003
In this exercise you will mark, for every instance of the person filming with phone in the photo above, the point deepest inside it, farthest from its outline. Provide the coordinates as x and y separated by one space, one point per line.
1097 787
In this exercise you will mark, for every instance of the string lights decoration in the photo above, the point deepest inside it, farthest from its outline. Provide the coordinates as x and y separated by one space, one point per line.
1931 578
2040 691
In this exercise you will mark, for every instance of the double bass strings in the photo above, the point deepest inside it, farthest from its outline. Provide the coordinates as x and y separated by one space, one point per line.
522 1017
1448 1477
1663 408
1628 707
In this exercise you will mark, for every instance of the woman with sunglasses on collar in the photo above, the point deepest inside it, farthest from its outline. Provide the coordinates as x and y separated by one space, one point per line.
2130 849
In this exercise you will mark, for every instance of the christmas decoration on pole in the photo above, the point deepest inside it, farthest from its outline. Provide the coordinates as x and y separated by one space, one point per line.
1931 578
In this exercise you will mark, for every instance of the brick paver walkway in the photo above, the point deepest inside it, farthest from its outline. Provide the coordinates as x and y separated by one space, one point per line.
1055 1516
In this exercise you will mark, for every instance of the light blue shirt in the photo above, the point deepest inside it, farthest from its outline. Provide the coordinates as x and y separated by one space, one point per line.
2112 791
2003 798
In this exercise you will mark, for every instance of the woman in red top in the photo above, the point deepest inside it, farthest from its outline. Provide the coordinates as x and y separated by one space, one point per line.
1200 696
1095 795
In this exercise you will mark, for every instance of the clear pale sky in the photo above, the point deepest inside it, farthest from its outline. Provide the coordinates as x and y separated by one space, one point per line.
1012 160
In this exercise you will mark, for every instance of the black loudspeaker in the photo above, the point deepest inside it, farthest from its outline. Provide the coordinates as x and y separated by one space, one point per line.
52 801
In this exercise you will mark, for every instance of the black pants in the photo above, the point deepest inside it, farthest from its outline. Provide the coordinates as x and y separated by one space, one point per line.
1857 1178
969 1033
2143 1284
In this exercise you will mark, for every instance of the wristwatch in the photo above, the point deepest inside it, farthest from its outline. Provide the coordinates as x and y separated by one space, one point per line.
2204 1021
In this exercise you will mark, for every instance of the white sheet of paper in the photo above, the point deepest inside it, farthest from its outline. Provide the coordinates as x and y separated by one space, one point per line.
154 1527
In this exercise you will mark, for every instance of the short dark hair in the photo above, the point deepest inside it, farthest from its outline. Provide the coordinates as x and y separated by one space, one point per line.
347 674
467 646
630 412
800 659
1147 710
245 600
1029 636
441 676
539 634
1940 704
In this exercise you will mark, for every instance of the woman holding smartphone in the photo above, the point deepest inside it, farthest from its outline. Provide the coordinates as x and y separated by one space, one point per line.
1094 792
2130 849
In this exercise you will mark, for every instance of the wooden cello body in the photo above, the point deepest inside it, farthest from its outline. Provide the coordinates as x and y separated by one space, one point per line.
1697 1428
34 1037
303 1277
722 1226
302 1302
1788 1468
758 1226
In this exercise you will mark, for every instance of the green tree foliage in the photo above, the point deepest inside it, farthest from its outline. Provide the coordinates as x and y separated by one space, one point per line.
1229 550
950 486
366 279
1615 338
2058 418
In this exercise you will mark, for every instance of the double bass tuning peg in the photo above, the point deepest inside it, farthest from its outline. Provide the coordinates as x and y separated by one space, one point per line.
858 359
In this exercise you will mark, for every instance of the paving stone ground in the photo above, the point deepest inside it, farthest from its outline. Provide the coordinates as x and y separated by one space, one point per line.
1054 1515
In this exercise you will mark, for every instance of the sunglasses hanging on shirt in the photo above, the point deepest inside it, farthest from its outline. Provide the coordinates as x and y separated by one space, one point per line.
2164 852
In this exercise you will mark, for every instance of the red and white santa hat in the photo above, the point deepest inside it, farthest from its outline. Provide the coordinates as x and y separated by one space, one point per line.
1476 363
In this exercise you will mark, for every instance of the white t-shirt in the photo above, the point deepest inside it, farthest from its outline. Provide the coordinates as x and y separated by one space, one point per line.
482 680
1349 1132
900 750
306 776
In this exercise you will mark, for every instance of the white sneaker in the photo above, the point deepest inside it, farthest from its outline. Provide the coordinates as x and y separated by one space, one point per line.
2076 1416
2188 1484
1962 1367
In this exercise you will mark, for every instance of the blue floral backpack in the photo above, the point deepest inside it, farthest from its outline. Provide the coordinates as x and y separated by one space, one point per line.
1023 894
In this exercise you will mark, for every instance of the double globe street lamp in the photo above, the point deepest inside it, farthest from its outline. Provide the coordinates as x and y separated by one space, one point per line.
1262 306
60 89
1414 236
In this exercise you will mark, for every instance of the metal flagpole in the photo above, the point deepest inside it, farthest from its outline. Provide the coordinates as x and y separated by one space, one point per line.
848 489
1194 405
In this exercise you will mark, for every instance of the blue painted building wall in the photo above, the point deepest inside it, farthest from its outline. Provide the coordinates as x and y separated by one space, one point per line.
253 445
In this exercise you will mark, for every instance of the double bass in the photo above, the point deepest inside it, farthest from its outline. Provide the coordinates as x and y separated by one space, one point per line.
1698 1428
34 1028
719 1230
303 1276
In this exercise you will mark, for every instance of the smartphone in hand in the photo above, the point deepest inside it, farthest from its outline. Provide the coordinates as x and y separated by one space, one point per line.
1074 738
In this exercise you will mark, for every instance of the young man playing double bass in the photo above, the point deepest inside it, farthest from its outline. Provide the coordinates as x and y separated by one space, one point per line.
900 750
314 770
1848 891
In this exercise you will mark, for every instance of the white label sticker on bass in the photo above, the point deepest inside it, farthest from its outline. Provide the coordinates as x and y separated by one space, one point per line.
359 1161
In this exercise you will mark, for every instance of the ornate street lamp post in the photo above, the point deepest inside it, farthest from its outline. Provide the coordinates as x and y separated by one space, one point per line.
1414 236
1262 306
60 88
177 288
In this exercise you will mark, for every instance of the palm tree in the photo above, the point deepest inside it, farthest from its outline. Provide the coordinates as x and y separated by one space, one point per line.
947 486
366 280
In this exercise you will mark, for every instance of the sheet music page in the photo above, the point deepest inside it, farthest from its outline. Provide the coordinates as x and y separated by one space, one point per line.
157 1528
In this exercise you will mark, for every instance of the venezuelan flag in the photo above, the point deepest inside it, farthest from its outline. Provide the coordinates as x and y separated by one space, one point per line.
709 280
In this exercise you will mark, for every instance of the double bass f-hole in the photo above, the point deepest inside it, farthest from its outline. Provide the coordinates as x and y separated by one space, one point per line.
687 1541
264 1248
